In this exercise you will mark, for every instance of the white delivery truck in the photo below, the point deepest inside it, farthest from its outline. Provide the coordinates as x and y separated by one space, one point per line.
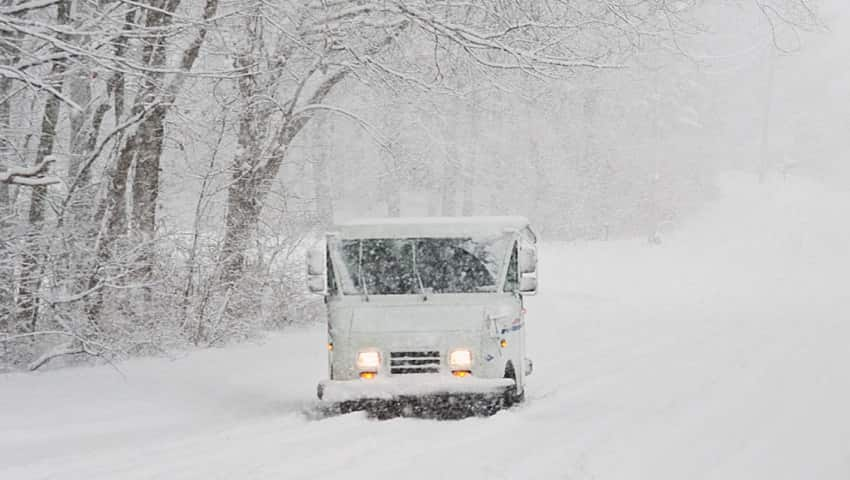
426 312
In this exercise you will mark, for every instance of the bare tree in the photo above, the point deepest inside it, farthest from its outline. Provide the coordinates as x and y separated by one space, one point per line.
98 97
30 282
143 147
316 46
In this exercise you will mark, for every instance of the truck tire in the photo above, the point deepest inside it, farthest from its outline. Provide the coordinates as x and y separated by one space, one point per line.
512 397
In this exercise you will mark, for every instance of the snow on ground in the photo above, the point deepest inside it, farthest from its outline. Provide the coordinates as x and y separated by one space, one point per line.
721 353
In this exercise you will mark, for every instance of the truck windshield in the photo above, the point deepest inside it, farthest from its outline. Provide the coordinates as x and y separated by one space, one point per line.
420 265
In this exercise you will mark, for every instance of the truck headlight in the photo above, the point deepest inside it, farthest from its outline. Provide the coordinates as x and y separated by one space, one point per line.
369 361
460 359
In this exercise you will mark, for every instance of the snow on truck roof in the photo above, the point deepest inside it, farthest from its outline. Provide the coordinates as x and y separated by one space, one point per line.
419 227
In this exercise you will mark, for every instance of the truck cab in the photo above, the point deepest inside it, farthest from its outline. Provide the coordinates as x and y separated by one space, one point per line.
426 310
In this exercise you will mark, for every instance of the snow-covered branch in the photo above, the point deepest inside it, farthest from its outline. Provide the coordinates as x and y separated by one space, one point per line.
17 74
30 176
26 7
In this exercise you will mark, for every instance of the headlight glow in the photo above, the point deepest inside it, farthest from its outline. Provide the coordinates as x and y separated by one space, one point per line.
460 359
368 361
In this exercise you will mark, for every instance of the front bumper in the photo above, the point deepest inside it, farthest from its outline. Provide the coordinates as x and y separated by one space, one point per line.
407 386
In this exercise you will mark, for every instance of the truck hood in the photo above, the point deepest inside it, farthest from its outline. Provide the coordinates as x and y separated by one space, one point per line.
425 318
434 315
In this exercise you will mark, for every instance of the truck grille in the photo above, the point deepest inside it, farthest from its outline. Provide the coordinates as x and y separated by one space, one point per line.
415 362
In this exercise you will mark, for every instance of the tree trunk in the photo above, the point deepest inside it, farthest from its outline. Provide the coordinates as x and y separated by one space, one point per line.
85 130
149 144
79 90
7 261
150 135
114 205
144 146
247 191
148 139
6 147
8 284
31 264
252 179
244 206
114 208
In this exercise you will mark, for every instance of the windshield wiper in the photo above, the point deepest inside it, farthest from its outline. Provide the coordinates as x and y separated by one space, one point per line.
416 273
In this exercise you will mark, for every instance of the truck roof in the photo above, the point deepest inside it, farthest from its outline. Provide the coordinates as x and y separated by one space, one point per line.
431 227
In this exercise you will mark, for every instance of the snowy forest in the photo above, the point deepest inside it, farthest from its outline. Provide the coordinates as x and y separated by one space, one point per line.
165 163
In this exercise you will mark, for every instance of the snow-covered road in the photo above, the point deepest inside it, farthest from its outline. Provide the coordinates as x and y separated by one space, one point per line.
722 353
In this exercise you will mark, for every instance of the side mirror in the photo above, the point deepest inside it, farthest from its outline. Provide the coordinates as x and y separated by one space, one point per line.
528 284
527 260
316 279
316 261
317 284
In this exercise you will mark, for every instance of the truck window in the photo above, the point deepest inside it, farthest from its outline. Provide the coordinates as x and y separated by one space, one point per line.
512 280
332 285
417 265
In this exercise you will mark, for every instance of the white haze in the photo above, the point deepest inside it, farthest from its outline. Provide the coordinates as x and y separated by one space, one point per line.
682 120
